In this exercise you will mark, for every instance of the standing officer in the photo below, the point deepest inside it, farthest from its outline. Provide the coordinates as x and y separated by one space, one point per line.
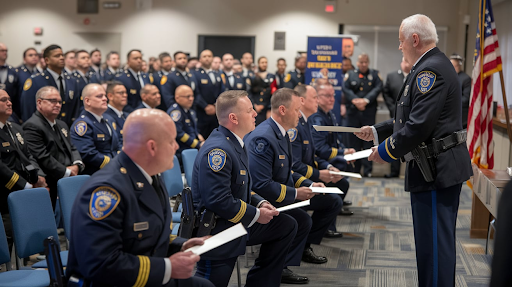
95 134
133 79
166 68
247 61
427 113
394 82
230 79
49 142
185 120
262 86
297 76
209 88
113 63
271 159
121 219
28 68
84 73
70 62
280 73
55 76
117 100
180 76
95 56
361 88
465 83
221 183
9 81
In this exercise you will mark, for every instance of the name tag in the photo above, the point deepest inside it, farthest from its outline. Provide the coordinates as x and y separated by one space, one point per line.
5 144
204 81
140 226
133 91
187 121
101 135
306 142
242 172
281 156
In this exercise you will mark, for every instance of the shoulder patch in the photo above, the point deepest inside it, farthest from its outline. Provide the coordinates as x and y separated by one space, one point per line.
163 80
261 145
104 201
292 134
425 81
288 78
151 78
81 128
216 159
176 115
28 84
223 78
248 81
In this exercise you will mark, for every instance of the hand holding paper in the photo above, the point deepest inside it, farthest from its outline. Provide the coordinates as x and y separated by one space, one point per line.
326 190
337 129
219 239
294 205
344 173
358 155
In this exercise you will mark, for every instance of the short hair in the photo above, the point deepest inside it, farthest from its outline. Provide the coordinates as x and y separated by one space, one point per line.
146 89
86 92
81 51
178 52
226 102
95 50
236 62
363 55
282 97
46 52
346 58
321 83
69 52
262 57
458 58
281 59
111 85
131 51
421 25
28 49
226 55
192 59
111 53
45 91
301 90
298 58
163 55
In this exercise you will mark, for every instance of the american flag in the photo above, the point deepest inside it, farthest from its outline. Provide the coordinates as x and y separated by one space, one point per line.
487 62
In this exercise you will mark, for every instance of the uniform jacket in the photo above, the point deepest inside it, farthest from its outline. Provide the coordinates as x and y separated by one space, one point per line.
221 183
327 144
294 78
271 160
362 85
261 90
208 90
90 77
94 142
121 230
169 83
186 127
394 82
119 122
238 82
11 86
428 106
133 87
465 82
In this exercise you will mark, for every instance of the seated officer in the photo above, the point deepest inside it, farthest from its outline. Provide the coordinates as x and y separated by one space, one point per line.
327 144
95 134
121 221
270 159
185 120
150 96
297 76
221 183
304 159
133 79
117 100
55 76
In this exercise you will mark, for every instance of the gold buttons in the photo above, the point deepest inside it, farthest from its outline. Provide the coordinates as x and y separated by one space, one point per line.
139 236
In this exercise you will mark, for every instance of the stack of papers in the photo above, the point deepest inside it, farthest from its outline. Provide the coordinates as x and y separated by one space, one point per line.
326 190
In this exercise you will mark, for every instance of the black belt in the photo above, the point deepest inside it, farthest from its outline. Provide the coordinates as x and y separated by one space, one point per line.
441 145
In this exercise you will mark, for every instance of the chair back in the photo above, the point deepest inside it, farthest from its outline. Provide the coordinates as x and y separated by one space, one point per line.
32 220
172 179
188 157
55 268
68 188
5 255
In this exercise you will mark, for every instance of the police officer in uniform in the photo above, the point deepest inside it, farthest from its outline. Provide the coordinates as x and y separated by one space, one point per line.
428 113
180 76
150 96
166 68
465 83
25 71
117 100
122 221
84 73
209 88
271 159
185 120
263 86
361 88
55 76
230 79
9 80
297 76
280 73
109 74
221 183
93 133
133 79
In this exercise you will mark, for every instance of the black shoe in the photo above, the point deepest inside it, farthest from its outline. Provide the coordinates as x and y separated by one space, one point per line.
310 257
345 212
390 175
333 234
347 203
289 277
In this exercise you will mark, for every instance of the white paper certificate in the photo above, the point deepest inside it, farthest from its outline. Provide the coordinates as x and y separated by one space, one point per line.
358 155
294 205
337 129
344 173
326 190
219 239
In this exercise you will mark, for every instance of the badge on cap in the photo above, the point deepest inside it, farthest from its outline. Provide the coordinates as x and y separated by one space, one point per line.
425 81
216 159
292 134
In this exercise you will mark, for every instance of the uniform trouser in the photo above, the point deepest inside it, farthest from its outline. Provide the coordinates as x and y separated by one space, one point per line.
358 120
434 215
343 185
190 282
275 239
325 209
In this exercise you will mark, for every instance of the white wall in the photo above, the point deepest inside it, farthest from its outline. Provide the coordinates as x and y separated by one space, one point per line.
174 24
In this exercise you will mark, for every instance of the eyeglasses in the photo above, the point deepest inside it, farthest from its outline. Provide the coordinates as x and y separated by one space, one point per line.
187 97
5 99
53 101
327 96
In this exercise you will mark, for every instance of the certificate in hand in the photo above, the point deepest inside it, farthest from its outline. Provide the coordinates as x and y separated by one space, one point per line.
344 173
337 129
326 190
219 239
358 155
294 205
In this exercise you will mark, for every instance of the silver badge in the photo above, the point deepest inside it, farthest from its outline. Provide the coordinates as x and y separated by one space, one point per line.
193 86
406 90
64 132
353 83
20 139
370 77
71 94
10 78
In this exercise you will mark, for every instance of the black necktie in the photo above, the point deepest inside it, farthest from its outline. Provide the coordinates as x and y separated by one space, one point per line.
158 189
61 87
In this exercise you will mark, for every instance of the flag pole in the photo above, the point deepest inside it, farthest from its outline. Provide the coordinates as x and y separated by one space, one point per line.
507 117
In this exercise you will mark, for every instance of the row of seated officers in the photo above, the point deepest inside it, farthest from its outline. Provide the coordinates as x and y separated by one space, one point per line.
47 146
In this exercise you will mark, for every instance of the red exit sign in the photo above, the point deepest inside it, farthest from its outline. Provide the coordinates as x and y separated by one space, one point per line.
330 6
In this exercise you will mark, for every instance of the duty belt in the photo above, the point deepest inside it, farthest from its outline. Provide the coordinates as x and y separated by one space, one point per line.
438 146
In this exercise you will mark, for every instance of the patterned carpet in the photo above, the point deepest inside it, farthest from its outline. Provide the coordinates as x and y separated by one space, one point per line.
378 244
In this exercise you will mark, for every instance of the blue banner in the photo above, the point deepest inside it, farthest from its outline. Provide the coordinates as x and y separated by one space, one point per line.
325 59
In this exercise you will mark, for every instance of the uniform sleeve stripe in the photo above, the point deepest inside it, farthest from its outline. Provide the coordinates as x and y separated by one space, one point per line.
194 143
299 181
241 212
184 138
334 153
316 164
105 161
387 150
283 193
144 267
309 173
15 177
172 238
384 152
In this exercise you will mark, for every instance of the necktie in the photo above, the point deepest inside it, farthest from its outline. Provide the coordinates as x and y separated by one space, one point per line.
8 131
158 189
61 88
106 125
141 82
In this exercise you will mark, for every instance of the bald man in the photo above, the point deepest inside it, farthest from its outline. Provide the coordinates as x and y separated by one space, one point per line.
122 219
185 120
209 88
94 133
